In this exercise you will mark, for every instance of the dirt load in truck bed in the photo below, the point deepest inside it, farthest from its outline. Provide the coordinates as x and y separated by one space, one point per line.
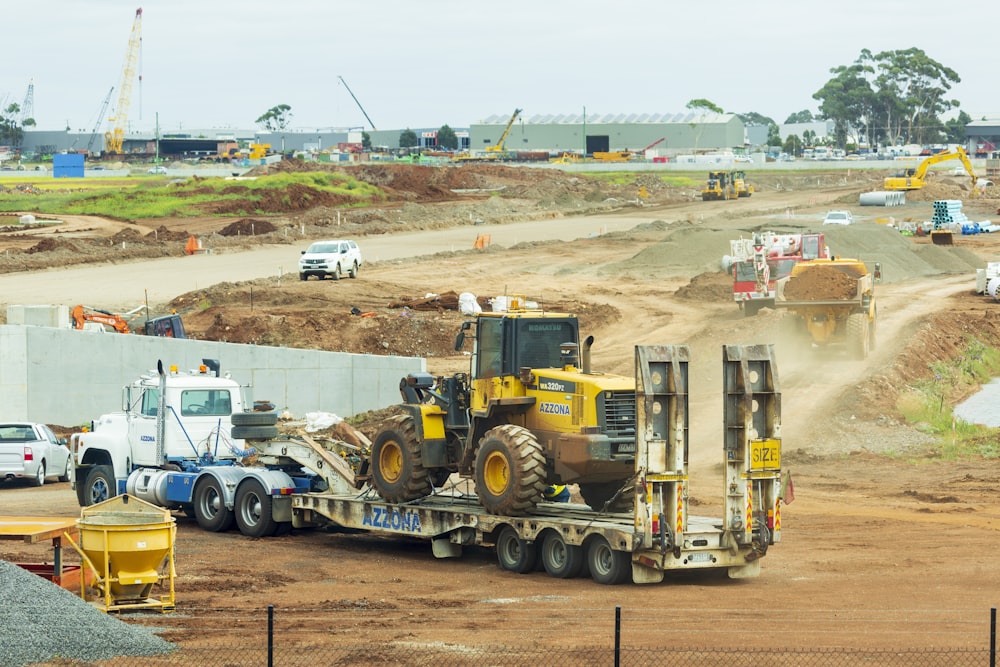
821 283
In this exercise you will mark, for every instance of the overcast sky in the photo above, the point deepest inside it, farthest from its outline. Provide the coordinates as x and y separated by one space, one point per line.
223 63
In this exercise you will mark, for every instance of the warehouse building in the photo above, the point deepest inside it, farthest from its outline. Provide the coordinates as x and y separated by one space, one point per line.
667 134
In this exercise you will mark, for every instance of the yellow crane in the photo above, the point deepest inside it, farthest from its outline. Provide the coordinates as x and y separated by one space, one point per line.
115 135
500 146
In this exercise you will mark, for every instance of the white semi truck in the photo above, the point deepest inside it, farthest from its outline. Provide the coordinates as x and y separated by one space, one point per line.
184 441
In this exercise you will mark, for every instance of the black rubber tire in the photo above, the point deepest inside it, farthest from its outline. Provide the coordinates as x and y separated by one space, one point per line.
398 473
510 470
561 560
253 510
255 432
39 478
606 565
751 308
336 272
100 486
513 553
598 493
210 507
857 335
353 271
65 477
254 418
303 276
283 528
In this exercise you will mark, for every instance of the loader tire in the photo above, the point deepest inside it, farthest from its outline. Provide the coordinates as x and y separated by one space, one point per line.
597 494
254 418
510 470
858 335
398 473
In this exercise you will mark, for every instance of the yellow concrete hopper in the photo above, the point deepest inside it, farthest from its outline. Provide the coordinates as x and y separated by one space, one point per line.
129 544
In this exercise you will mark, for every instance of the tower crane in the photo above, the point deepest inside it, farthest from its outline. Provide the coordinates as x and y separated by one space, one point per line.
28 107
115 135
357 102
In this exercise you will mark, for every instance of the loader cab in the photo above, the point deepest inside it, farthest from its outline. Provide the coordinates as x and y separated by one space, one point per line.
507 342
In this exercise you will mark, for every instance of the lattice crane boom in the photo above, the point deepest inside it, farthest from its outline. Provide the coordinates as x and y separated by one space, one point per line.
115 135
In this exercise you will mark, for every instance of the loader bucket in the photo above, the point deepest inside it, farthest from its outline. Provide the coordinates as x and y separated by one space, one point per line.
942 237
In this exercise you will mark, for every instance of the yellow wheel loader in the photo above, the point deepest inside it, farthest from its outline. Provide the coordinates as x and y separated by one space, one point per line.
528 415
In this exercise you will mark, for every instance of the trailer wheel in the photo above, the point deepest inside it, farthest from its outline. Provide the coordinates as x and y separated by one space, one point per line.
510 470
210 507
561 560
606 565
100 486
513 553
255 432
253 510
254 418
397 471
598 494
858 334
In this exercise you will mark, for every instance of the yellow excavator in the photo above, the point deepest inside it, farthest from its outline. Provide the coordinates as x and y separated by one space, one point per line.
913 177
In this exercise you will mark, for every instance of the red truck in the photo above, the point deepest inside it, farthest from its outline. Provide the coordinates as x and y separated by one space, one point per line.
758 262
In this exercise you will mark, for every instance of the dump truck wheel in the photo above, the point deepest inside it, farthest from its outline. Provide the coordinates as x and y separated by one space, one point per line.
606 565
561 560
598 494
253 510
513 553
397 471
100 486
210 507
857 334
510 470
254 418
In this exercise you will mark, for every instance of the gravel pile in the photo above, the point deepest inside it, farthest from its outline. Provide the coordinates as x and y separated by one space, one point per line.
40 621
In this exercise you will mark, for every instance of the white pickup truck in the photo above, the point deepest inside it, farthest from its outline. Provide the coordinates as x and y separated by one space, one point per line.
32 451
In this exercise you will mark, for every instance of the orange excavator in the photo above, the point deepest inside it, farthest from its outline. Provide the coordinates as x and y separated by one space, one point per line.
168 326
82 314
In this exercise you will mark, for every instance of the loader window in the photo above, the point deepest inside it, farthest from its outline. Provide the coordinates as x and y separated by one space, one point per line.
489 353
538 341
201 402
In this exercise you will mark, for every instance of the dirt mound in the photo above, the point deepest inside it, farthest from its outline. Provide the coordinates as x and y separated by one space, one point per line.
716 286
821 283
51 245
161 233
247 227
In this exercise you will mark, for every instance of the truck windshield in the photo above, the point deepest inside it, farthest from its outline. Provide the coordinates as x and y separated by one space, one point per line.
213 402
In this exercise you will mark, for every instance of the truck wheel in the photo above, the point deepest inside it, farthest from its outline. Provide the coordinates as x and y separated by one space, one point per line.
255 432
336 273
303 276
561 560
513 553
397 471
597 494
857 334
254 418
210 507
606 565
39 478
510 470
253 510
353 272
750 308
100 486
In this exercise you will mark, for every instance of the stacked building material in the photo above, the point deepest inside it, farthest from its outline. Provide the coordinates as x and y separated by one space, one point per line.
948 214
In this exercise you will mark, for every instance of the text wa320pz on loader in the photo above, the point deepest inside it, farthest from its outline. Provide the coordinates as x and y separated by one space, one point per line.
529 414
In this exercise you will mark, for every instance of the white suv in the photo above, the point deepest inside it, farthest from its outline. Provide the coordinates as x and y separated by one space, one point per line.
330 258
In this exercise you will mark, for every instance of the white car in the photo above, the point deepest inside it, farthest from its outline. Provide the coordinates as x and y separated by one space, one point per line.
838 218
32 451
330 258
159 169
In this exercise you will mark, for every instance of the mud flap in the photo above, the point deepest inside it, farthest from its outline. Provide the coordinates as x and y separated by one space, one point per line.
748 571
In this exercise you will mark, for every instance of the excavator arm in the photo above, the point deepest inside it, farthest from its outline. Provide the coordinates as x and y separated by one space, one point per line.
81 315
915 180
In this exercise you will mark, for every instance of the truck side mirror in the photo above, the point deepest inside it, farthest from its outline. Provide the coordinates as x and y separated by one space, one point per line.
878 272
459 340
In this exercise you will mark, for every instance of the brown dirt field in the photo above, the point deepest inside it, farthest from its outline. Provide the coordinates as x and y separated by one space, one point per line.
885 546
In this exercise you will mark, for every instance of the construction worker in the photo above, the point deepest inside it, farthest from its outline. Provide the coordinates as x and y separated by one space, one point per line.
556 493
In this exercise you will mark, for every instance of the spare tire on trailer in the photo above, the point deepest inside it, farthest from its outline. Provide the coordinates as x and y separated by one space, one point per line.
254 418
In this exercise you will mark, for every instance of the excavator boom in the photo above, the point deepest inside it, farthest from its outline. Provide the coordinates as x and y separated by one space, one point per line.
916 179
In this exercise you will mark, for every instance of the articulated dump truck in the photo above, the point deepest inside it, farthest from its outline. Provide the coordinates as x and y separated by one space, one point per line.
831 302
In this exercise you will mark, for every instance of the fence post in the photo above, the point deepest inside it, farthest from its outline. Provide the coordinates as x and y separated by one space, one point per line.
618 636
270 635
993 637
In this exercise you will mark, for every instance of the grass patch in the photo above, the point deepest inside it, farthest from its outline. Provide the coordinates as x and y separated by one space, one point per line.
674 179
927 404
138 199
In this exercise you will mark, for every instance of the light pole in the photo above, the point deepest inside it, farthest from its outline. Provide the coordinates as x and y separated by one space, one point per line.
584 131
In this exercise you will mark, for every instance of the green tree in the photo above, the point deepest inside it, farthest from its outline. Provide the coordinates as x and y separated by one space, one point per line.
792 145
809 138
366 141
773 135
703 105
804 116
955 128
754 118
276 118
11 131
408 139
446 138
